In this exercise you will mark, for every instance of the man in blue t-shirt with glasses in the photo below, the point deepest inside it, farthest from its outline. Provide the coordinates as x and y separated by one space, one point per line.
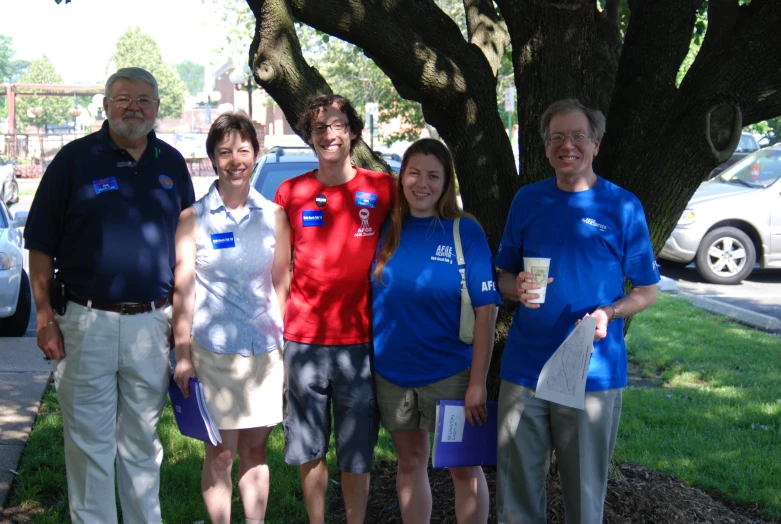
595 235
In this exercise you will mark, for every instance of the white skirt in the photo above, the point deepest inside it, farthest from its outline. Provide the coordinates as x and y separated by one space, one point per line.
241 392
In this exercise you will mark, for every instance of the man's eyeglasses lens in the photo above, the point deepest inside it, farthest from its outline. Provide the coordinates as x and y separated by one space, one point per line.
124 101
336 127
579 139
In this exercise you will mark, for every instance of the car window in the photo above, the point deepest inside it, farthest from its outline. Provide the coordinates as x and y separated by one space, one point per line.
272 175
747 144
760 169
3 218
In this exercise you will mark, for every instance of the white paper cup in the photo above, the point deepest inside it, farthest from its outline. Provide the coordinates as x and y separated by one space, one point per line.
540 267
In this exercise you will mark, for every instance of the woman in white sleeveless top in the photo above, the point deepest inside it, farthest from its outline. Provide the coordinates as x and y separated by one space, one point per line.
231 285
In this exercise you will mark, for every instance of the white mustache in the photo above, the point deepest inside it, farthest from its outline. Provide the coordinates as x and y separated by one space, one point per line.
136 114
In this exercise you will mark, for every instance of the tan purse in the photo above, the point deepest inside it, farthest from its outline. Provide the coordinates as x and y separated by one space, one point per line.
466 331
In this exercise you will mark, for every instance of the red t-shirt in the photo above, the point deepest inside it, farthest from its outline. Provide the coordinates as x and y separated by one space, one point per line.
333 247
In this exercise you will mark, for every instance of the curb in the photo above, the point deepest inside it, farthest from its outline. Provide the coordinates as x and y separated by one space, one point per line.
742 315
737 313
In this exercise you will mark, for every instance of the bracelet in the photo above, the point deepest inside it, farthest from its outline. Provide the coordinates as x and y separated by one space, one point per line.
49 323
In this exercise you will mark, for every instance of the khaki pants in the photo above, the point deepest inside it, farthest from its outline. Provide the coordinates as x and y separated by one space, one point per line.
112 385
529 430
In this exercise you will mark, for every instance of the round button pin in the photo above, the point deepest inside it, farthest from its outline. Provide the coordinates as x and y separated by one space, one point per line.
320 200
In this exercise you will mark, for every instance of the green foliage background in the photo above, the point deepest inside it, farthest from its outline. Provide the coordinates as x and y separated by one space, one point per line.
137 49
55 108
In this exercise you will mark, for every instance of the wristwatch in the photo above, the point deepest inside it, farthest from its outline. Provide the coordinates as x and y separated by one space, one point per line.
615 312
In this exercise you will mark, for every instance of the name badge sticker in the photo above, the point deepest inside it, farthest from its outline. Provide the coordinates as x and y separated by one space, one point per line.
105 184
313 218
363 199
223 240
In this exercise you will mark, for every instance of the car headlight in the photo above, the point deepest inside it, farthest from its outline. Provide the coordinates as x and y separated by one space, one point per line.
4 262
15 236
686 218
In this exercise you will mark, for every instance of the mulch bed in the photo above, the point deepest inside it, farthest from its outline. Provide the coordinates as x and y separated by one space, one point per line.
637 495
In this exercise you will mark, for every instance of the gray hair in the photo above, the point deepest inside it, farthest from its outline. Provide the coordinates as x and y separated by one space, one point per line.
134 74
596 120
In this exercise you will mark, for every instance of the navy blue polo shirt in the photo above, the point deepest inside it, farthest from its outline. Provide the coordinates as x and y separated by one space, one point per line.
109 222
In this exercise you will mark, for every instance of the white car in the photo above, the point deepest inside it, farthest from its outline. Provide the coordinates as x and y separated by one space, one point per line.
15 293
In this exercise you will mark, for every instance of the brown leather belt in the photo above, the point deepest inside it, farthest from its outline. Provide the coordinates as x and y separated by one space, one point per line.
123 308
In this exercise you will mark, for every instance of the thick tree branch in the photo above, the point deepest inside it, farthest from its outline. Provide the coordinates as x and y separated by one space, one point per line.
612 10
420 44
487 30
722 17
280 68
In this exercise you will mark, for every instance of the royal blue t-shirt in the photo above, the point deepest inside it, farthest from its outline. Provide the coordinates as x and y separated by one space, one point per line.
416 307
109 221
594 239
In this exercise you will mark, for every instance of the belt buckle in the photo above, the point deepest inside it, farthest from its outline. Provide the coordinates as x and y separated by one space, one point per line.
121 308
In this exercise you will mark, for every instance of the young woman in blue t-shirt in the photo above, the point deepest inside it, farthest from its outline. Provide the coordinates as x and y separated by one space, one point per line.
416 299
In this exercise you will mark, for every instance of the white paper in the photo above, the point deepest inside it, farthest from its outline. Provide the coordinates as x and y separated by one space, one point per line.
453 424
563 377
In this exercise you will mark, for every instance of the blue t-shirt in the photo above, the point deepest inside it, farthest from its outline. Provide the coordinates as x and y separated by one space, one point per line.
109 221
594 239
416 307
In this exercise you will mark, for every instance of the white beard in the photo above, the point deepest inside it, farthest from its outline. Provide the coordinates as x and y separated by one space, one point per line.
128 130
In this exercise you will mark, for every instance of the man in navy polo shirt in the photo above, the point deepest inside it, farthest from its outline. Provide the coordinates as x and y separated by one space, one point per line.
104 219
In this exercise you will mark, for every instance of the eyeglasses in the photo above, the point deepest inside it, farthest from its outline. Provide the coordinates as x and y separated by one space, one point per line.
558 139
336 127
143 102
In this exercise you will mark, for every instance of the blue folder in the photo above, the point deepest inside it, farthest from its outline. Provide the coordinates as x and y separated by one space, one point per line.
457 444
192 413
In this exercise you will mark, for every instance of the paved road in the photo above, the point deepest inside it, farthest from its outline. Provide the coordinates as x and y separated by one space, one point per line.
761 292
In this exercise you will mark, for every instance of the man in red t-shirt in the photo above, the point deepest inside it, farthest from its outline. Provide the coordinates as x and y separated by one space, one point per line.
336 213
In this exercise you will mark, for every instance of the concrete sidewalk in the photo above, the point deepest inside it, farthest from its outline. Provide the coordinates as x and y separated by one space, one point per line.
24 375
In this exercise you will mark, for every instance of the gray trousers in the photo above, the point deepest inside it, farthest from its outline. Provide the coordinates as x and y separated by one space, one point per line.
530 429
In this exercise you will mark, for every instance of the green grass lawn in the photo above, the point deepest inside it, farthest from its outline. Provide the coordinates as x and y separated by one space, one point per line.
711 417
715 420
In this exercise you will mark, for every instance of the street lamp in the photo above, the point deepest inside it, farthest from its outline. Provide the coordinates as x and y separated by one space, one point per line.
208 98
243 80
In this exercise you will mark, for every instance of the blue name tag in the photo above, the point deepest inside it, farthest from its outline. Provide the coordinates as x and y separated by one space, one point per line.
365 199
223 240
313 218
105 184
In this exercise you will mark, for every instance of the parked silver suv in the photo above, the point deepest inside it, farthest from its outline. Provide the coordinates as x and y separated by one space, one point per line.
732 222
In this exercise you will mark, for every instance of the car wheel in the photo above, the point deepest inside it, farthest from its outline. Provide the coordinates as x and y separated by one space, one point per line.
16 324
726 256
14 198
672 264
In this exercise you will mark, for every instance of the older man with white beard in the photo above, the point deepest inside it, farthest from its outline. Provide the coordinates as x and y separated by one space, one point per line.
101 239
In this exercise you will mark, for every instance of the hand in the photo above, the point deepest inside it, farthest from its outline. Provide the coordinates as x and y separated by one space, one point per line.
474 404
50 341
602 322
183 372
526 285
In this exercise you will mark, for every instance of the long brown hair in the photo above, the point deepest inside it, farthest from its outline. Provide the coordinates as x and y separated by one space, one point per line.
447 205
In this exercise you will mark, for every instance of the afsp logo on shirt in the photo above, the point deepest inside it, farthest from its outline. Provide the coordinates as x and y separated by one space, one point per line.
365 229
488 285
594 223
443 254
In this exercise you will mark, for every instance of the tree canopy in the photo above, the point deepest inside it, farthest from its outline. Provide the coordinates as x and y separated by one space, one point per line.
10 70
137 49
55 108
192 76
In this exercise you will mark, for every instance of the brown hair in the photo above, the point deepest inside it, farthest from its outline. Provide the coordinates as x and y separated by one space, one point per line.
447 205
318 103
226 123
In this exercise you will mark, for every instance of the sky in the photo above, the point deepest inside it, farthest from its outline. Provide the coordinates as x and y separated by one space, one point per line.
79 37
